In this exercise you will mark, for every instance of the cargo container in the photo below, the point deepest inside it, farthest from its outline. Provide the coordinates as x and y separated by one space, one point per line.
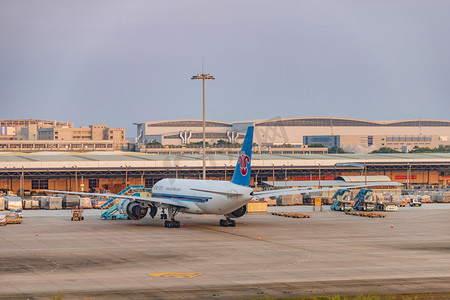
27 204
54 203
70 201
2 203
85 202
13 202
256 206
290 199
270 201
44 203
35 204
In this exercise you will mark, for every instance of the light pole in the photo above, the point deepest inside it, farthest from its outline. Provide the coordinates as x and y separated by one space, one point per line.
203 76
285 175
225 172
273 176
76 178
408 176
365 173
22 183
320 174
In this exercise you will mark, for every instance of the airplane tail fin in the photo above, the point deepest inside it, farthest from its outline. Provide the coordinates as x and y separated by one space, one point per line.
242 171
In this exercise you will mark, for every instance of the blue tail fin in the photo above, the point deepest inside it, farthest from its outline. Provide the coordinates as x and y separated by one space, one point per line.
243 169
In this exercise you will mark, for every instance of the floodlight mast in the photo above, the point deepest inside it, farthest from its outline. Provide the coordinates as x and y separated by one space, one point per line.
203 76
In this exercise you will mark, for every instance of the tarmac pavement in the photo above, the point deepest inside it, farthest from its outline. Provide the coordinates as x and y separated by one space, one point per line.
264 255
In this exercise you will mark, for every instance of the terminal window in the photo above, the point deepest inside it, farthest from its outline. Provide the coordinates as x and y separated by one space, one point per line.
39 184
93 183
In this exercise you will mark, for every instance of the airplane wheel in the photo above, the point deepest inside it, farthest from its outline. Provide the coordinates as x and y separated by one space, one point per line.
176 224
224 223
232 223
167 224
114 217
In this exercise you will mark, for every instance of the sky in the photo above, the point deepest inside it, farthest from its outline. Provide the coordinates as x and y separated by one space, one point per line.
118 62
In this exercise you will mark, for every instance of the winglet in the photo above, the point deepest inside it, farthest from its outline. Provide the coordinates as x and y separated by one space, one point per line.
242 171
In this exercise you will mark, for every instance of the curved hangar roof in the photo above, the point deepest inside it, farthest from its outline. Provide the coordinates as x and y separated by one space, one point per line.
188 123
353 179
321 121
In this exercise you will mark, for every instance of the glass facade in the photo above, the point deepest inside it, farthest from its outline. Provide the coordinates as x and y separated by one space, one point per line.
408 139
326 140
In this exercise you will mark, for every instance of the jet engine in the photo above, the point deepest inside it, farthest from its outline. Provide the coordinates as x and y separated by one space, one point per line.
136 211
239 212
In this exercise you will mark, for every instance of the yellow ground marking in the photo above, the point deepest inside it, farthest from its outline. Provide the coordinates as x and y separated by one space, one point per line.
175 275
246 287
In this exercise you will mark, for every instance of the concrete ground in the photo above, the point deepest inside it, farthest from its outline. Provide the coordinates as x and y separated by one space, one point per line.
264 256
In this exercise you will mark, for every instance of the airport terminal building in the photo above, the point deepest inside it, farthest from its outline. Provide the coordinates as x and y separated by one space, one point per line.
353 135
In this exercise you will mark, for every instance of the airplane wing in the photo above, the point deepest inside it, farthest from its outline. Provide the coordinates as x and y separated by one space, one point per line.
226 193
281 192
269 193
157 201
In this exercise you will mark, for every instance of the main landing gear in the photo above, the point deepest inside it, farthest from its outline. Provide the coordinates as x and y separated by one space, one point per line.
227 222
172 223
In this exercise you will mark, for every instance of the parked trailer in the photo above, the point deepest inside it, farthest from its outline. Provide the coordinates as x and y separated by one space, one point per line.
387 206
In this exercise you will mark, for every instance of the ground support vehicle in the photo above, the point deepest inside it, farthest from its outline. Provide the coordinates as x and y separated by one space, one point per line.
365 200
342 200
415 202
77 214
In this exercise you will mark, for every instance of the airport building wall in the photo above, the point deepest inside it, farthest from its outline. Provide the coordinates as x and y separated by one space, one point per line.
113 171
39 135
353 132
116 182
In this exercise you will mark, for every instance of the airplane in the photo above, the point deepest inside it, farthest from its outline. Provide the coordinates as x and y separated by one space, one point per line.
228 198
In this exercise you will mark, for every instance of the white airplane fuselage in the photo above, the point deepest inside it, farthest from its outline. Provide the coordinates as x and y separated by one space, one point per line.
204 196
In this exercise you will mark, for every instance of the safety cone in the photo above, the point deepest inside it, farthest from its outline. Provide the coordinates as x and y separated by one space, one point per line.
134 223
36 234
392 226
259 237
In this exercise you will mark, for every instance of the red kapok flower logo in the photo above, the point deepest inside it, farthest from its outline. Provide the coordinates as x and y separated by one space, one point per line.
243 161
